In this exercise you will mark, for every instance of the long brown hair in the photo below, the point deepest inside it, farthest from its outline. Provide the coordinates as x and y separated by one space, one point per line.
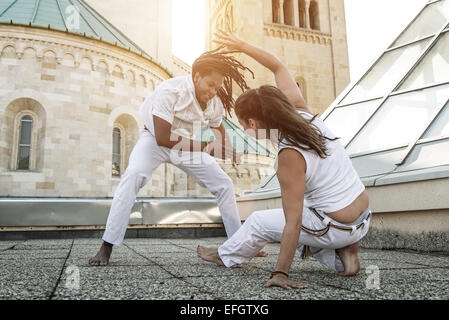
229 67
271 106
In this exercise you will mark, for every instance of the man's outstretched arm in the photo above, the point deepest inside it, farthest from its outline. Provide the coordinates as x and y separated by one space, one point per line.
165 138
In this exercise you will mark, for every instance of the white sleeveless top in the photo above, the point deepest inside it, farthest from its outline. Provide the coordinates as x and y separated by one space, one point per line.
331 183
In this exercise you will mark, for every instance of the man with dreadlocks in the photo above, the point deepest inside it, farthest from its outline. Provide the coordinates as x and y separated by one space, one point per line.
172 115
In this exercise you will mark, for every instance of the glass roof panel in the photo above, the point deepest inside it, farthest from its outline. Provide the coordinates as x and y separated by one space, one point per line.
377 163
272 183
239 139
427 155
344 122
434 68
429 22
399 120
440 127
388 71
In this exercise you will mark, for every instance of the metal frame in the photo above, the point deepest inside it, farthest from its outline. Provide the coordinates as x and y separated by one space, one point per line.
342 96
390 92
412 145
367 153
434 40
408 148
247 138
348 89
430 2
427 140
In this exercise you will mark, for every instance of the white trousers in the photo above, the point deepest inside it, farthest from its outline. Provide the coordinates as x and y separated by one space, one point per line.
266 226
144 159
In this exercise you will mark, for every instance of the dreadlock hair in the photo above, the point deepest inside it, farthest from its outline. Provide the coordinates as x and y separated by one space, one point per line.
227 66
271 107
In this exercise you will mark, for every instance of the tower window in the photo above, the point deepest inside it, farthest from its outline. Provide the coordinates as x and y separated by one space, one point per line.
276 11
289 16
302 13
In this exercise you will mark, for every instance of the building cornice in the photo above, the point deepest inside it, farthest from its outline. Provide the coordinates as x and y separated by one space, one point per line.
68 43
298 34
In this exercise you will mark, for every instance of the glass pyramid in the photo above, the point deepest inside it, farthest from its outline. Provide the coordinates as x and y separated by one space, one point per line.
394 121
239 139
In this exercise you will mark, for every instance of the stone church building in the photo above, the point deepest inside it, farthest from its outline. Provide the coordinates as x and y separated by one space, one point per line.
73 75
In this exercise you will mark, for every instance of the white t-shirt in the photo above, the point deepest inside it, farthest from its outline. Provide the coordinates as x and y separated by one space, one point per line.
331 183
174 101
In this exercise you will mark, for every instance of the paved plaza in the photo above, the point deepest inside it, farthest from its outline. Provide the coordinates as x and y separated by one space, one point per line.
166 269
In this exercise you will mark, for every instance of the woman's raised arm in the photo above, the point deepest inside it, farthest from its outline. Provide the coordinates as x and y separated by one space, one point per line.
283 78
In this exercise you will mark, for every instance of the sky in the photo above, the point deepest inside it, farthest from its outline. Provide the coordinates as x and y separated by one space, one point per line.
371 25
189 35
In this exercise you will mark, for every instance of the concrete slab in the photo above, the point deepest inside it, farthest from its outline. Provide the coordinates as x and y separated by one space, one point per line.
166 269
29 279
126 283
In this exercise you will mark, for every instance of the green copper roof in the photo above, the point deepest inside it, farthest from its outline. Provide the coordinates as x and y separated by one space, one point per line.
240 140
61 15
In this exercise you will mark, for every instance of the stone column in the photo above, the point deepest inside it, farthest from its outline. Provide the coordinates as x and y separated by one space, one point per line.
295 13
281 12
307 14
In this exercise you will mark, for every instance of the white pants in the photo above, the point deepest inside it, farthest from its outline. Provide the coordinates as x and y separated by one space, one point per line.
144 159
266 226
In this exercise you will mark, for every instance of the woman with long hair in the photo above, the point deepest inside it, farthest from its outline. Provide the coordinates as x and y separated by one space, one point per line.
325 208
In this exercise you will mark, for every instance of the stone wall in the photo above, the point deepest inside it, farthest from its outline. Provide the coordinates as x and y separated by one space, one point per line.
77 90
317 57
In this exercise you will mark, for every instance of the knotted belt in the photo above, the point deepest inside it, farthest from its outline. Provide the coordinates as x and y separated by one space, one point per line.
329 224
319 233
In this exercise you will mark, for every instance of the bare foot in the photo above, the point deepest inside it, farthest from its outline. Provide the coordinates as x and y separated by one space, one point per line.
103 255
209 254
262 254
350 259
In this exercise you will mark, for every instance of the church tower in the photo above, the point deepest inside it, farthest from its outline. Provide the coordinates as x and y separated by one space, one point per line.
309 36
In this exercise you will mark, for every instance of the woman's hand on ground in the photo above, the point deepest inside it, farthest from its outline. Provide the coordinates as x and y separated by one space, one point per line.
286 283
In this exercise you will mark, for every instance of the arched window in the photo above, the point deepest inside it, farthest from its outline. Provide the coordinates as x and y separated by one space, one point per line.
302 13
116 152
276 11
289 17
24 148
314 14
22 137
125 133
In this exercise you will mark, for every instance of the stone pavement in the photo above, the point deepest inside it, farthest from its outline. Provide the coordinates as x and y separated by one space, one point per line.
166 269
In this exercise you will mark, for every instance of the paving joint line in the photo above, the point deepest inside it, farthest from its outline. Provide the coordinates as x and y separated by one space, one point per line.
179 246
52 295
169 272
12 248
